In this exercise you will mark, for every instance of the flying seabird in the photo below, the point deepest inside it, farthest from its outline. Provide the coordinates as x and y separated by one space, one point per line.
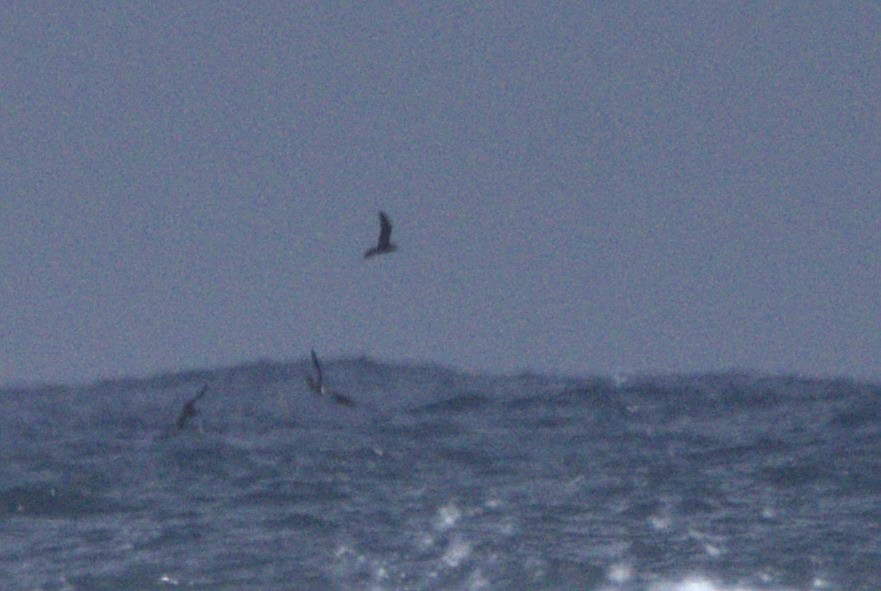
384 244
189 410
317 385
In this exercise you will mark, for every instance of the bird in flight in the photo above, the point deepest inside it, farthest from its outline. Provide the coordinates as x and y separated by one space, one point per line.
384 245
317 385
189 410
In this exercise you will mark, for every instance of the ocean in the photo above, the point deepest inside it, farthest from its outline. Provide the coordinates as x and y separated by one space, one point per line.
441 479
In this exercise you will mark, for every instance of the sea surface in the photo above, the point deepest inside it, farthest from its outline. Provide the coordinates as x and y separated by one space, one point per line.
439 479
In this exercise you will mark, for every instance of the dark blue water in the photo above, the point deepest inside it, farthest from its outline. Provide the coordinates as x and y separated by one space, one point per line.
442 480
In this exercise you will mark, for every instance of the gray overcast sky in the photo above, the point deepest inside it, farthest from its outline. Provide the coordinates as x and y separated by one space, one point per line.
580 187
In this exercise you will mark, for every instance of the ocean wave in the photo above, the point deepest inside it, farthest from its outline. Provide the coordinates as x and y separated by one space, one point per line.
44 500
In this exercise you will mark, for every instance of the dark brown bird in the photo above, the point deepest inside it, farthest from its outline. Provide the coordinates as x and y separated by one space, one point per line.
384 245
189 410
317 385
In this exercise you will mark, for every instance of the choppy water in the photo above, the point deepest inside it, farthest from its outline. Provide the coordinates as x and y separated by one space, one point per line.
441 480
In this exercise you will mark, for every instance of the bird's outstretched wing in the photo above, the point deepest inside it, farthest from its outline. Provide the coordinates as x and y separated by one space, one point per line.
320 379
182 419
385 231
201 393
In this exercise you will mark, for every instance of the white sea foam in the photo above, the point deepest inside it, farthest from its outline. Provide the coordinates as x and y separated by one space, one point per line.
447 516
457 551
620 573
702 583
474 496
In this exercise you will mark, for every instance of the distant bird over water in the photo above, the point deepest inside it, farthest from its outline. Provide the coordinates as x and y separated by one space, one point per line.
189 410
317 385
384 245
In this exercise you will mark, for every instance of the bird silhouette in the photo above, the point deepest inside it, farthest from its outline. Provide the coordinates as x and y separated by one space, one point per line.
384 245
317 385
189 410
